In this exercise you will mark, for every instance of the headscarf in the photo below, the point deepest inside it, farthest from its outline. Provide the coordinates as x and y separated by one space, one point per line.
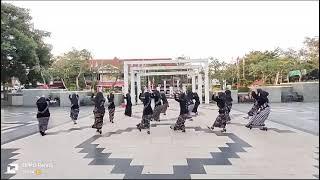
228 92
222 95
41 100
74 99
254 94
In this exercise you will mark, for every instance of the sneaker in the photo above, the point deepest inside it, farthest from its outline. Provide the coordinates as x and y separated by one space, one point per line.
148 132
183 130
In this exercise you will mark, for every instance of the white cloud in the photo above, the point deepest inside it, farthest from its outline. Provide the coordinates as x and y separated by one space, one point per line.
170 29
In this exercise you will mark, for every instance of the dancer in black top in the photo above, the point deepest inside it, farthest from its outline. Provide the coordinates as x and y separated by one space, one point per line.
221 120
147 112
263 111
111 106
165 103
228 104
197 103
43 114
128 110
183 112
74 111
157 105
99 111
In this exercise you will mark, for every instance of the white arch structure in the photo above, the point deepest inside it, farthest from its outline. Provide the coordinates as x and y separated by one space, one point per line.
192 70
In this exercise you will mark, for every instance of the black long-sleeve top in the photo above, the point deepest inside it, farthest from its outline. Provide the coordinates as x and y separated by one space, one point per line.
74 101
111 101
229 99
183 105
157 99
220 103
43 107
147 110
128 99
189 98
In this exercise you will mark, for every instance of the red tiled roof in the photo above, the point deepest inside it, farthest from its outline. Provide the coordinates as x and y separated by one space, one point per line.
110 83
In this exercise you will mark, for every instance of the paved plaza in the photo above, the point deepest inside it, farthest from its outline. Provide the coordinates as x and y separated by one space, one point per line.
287 150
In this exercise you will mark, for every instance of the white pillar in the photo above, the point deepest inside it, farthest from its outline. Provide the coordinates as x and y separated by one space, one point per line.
125 78
206 84
193 83
200 87
164 86
149 85
132 90
178 85
138 84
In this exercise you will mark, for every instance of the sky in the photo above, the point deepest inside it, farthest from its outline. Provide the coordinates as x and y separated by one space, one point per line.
168 29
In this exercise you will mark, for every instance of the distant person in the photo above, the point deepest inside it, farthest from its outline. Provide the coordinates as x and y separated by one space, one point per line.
197 103
43 114
74 111
165 103
99 111
228 104
111 106
221 120
179 125
128 110
147 112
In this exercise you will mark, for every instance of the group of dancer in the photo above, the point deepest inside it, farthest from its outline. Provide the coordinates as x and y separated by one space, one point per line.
188 102
187 106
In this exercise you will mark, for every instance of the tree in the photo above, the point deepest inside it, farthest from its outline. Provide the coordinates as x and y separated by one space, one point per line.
22 46
311 51
71 66
217 69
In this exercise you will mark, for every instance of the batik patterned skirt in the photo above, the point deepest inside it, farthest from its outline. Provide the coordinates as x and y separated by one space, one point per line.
74 114
111 114
145 122
43 123
180 122
98 120
260 117
221 120
156 112
165 107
